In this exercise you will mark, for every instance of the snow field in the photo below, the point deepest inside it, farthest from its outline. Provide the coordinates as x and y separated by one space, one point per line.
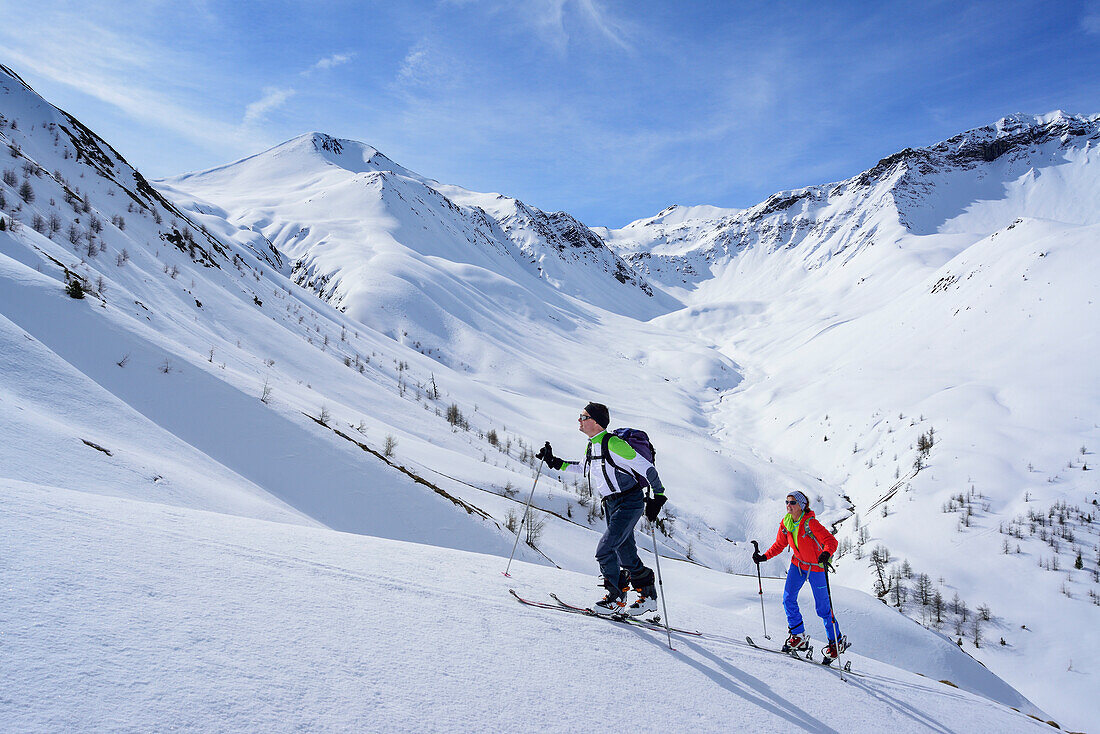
132 615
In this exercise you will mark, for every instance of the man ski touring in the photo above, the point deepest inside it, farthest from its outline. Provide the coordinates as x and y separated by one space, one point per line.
613 467
812 546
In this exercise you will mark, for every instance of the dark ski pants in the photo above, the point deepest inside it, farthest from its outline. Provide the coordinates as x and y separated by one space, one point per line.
796 577
617 553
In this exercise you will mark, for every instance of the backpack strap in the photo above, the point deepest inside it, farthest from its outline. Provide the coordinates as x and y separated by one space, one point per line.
812 537
607 459
606 451
604 456
603 460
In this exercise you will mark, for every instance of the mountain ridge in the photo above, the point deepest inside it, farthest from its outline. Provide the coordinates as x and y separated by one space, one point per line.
785 218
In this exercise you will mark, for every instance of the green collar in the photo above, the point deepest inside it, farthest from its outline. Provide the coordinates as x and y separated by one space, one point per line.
793 526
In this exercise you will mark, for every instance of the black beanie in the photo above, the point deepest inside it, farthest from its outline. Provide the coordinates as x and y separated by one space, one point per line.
598 411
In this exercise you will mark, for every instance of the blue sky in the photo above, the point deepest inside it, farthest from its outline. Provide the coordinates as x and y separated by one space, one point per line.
608 110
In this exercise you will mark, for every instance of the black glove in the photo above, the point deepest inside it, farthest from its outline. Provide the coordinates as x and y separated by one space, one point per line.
547 454
653 506
758 558
823 558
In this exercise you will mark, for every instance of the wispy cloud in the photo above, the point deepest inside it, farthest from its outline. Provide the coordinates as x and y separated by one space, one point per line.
273 98
329 62
122 73
412 66
611 28
1090 23
152 82
426 66
553 21
546 18
560 23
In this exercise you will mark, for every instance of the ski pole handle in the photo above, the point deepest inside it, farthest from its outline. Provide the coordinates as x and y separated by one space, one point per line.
759 581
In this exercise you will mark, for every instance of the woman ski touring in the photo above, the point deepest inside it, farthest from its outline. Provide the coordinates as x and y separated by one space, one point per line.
811 546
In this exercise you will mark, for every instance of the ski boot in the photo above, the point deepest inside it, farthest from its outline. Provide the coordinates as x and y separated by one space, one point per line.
797 643
613 604
645 603
833 650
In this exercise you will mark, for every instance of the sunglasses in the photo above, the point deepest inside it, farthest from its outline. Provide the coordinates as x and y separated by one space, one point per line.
582 417
792 502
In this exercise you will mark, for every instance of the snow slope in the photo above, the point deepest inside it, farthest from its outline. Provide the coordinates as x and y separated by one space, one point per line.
152 617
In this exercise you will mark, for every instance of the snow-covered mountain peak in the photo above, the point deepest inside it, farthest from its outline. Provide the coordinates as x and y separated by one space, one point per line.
978 182
337 208
1055 119
312 160
351 155
678 214
1017 135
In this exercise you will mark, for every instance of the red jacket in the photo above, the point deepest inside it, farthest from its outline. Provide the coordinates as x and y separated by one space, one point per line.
812 539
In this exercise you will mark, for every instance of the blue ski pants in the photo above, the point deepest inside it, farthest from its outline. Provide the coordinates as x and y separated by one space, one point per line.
796 577
617 552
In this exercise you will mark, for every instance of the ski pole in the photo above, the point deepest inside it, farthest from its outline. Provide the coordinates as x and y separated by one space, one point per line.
832 613
660 583
760 586
525 509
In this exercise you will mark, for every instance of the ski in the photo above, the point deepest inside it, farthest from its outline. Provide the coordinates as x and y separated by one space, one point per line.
807 658
557 607
654 621
560 606
569 609
543 604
